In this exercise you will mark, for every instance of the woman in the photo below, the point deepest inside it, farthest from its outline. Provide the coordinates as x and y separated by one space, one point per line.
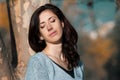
54 39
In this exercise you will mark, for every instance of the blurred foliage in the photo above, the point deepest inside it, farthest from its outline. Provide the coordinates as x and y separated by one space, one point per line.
102 55
3 15
113 65
6 71
96 53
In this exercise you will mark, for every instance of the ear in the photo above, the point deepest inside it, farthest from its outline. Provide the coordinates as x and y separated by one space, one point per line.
62 24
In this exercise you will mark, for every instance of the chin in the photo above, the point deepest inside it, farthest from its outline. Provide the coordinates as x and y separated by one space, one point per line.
56 41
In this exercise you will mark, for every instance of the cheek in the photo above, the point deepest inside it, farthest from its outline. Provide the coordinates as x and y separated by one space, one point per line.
42 33
59 25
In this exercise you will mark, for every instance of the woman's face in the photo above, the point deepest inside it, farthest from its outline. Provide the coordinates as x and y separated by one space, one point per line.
51 28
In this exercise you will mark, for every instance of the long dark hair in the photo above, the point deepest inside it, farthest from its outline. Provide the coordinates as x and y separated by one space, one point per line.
69 37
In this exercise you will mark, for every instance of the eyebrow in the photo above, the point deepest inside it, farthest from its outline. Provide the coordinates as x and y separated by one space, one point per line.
48 19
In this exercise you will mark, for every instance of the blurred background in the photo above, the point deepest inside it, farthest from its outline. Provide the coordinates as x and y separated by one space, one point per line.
98 25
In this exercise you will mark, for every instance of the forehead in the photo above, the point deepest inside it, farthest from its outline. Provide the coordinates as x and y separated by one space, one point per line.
45 15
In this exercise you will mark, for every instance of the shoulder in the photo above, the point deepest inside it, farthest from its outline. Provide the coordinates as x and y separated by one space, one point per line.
79 70
81 65
38 58
37 67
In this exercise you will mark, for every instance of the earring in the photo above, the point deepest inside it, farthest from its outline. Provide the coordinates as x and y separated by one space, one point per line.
41 38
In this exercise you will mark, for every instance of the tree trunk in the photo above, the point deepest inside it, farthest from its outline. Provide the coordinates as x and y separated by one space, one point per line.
21 11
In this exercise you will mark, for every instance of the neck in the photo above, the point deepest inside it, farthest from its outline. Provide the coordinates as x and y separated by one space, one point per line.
53 50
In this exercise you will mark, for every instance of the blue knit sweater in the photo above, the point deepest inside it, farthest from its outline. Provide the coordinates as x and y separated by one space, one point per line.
40 67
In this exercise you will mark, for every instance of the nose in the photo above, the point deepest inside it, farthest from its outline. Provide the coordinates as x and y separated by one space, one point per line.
49 27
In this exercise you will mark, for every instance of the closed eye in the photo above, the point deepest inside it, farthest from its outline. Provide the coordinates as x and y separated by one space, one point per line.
42 26
52 20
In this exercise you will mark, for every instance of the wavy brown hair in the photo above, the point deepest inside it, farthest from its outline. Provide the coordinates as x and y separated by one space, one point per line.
69 37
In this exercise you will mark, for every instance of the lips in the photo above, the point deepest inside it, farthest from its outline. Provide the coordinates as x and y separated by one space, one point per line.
53 34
